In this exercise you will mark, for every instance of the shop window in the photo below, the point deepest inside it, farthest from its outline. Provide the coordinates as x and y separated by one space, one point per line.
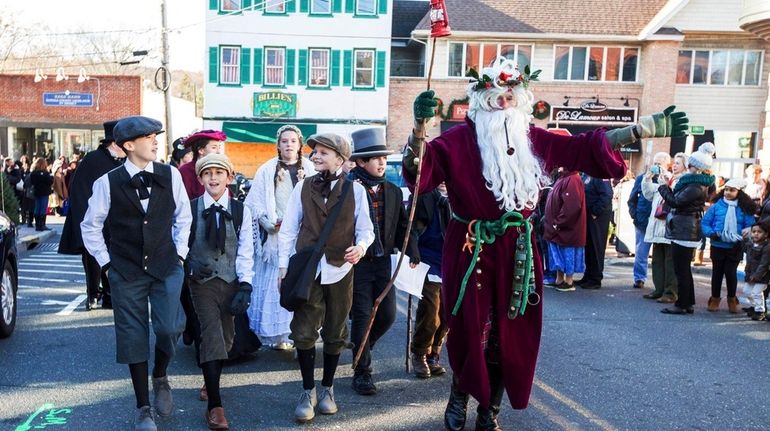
719 67
471 56
596 63
490 54
463 56
274 6
231 5
455 67
366 7
321 7
275 60
319 68
230 65
364 69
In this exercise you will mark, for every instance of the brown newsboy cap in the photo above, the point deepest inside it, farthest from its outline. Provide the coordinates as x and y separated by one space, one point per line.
332 141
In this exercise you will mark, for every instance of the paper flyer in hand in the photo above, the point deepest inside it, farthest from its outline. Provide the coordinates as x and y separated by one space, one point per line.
409 280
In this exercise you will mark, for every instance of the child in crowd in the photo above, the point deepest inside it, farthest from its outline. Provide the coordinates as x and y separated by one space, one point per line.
726 223
144 206
331 293
221 263
757 273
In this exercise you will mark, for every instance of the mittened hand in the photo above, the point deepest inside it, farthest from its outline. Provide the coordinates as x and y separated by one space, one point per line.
665 124
241 299
425 105
267 225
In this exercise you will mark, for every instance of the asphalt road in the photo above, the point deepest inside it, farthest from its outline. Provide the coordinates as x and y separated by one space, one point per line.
608 361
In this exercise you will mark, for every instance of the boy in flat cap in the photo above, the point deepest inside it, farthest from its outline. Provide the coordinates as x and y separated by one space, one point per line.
201 143
332 291
144 206
221 264
372 274
96 163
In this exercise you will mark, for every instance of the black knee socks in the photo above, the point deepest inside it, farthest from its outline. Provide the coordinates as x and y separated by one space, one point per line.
306 359
212 371
330 367
161 363
139 381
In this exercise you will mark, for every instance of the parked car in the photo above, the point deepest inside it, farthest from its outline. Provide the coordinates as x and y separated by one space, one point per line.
393 174
9 282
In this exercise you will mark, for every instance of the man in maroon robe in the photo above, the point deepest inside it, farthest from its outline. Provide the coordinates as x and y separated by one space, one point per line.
494 167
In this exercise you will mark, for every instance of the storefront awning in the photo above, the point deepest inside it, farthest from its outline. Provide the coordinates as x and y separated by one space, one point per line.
260 132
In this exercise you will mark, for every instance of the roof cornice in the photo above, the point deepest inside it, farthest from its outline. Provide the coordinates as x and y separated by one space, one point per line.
551 36
661 18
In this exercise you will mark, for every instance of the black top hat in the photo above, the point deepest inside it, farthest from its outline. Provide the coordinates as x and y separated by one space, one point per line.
369 143
108 126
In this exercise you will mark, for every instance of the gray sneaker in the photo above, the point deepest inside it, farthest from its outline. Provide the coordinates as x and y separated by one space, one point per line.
305 410
326 404
164 402
144 420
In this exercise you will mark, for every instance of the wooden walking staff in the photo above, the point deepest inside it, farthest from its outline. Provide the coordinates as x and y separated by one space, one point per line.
439 27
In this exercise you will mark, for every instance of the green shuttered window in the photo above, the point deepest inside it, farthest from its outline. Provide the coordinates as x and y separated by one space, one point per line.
336 65
347 70
213 64
302 79
337 6
304 6
350 6
380 69
213 4
291 6
258 66
383 7
290 70
247 4
245 66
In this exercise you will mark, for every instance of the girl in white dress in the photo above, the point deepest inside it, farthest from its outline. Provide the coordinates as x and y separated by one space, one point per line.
270 191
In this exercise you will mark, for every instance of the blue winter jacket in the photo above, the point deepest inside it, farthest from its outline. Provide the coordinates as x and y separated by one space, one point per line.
639 207
713 222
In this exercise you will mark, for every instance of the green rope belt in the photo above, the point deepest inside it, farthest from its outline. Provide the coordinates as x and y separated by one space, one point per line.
485 232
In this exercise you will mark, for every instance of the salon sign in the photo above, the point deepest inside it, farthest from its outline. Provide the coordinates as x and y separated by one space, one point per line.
593 114
275 104
69 99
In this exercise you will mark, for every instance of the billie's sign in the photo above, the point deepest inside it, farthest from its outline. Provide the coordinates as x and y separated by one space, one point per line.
67 98
275 104
593 113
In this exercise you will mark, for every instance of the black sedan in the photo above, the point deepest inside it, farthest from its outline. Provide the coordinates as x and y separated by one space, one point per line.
8 280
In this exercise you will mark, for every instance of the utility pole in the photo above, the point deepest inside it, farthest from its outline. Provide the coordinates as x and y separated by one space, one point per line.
166 79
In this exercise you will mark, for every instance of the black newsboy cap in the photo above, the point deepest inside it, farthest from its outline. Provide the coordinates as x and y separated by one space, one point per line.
133 127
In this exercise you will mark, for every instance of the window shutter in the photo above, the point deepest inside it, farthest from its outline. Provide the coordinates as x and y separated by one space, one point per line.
245 66
335 68
258 66
383 7
303 6
213 64
337 6
347 70
302 78
213 4
380 69
290 63
246 4
350 6
291 6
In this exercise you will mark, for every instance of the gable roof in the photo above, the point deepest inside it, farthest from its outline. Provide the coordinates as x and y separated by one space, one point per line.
597 17
406 15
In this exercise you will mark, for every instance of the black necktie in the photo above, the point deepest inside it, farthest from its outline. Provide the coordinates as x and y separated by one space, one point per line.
140 182
216 232
322 183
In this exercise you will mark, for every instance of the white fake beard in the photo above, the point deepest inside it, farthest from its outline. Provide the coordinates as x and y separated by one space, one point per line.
515 180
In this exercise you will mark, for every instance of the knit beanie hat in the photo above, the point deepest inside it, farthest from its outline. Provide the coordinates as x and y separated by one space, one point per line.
702 158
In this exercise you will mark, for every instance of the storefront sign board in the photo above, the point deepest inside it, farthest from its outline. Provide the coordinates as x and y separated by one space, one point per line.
69 99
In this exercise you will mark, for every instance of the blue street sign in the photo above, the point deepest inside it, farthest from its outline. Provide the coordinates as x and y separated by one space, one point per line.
67 98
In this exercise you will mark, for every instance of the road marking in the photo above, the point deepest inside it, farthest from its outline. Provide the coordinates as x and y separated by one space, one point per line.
55 272
53 280
57 289
582 411
52 265
66 311
44 259
54 302
553 416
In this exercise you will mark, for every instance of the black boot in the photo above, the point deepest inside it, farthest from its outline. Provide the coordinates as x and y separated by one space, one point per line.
42 222
38 223
456 409
486 419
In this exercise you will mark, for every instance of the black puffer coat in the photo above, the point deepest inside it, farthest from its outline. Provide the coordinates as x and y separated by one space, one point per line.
686 202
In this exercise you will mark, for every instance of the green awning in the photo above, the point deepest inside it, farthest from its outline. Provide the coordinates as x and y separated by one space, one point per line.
260 132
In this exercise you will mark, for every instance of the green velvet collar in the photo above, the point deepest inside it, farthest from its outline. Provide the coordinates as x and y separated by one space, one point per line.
690 178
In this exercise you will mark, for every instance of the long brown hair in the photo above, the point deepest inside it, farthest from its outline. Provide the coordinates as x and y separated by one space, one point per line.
40 164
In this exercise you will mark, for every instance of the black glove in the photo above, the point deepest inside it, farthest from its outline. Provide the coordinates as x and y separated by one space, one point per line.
241 299
414 260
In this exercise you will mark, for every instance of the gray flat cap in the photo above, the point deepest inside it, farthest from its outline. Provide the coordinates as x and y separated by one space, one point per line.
129 128
331 141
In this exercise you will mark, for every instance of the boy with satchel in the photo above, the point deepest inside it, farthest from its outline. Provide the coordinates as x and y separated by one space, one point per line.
343 243
221 264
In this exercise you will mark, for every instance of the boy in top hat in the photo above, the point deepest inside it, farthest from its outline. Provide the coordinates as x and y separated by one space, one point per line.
144 206
331 294
372 274
221 260
96 163
201 143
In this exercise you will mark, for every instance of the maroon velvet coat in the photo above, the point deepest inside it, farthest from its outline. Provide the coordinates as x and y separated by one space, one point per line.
454 157
566 209
190 180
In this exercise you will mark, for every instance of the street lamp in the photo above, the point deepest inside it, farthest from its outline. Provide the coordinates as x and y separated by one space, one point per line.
60 76
83 77
39 76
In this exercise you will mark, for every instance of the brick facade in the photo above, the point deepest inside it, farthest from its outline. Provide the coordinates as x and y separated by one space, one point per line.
21 101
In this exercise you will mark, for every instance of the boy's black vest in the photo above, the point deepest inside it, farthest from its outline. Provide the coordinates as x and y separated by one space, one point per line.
142 242
221 264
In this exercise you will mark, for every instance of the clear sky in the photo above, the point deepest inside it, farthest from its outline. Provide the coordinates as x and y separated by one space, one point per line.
186 44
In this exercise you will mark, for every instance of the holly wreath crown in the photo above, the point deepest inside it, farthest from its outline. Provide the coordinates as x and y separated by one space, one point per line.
502 73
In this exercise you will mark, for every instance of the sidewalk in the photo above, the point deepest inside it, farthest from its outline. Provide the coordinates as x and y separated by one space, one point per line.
28 238
612 259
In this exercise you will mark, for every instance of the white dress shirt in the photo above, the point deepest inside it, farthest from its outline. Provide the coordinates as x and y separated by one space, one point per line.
292 220
99 208
244 259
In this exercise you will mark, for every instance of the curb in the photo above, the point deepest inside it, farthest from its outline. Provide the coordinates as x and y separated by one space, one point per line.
33 239
705 269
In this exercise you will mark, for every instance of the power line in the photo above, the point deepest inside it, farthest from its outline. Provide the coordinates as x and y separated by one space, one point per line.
63 66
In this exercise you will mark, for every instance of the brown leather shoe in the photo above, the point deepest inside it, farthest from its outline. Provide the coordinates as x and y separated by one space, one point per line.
732 304
667 299
713 304
203 394
216 419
